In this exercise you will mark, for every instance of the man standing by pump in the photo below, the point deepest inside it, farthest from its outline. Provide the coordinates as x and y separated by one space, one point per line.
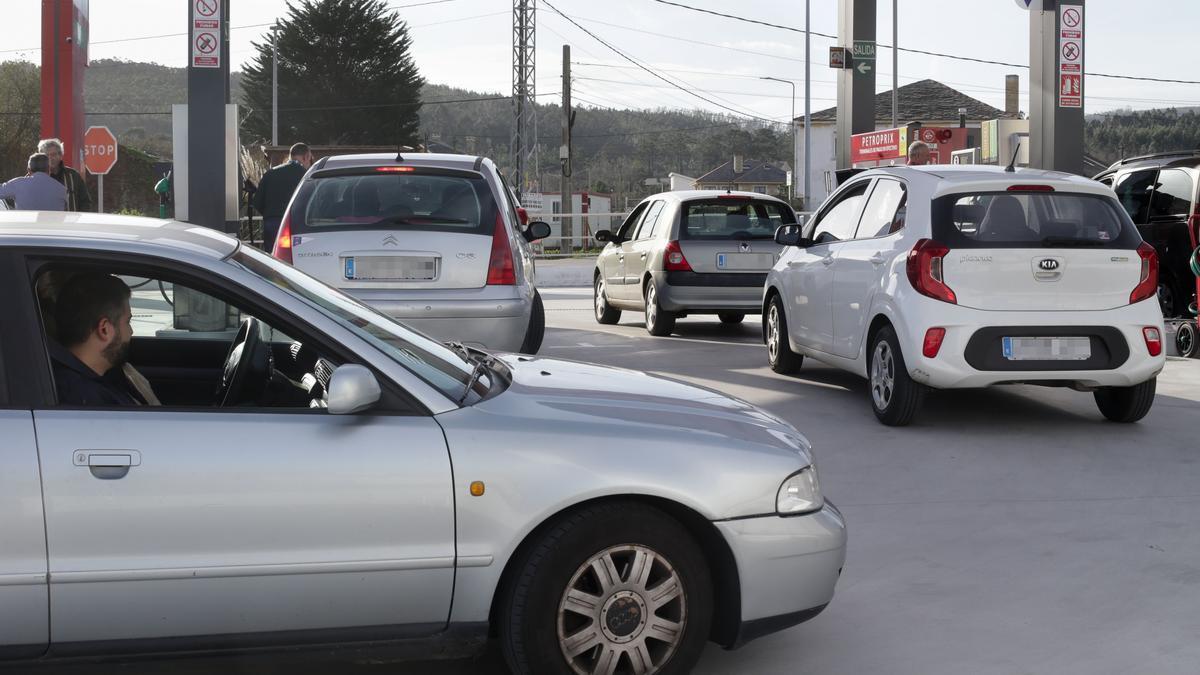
276 188
78 198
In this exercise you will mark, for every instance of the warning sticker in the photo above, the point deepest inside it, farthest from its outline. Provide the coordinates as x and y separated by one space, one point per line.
1070 56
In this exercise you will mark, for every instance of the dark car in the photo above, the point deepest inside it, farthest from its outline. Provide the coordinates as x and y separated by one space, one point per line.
1160 193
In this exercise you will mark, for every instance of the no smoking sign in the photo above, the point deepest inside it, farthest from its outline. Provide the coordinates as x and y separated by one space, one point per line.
206 33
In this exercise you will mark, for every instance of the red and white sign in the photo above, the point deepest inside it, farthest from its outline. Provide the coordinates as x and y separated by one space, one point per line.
99 150
875 146
1070 56
206 33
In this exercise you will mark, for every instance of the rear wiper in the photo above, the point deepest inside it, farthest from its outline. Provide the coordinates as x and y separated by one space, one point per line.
414 220
1070 241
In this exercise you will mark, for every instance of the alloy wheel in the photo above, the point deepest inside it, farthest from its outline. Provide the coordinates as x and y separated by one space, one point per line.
624 611
773 333
601 303
883 375
651 307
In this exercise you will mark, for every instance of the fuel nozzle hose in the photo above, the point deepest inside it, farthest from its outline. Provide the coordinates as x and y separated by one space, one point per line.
1194 263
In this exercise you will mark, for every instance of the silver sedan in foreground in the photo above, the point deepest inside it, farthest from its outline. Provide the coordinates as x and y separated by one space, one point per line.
354 482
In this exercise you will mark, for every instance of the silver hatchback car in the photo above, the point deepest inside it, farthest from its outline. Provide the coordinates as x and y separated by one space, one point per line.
689 252
432 240
354 482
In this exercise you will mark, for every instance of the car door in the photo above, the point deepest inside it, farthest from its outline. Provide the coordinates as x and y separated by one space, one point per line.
640 250
206 527
808 278
863 263
621 288
24 593
612 258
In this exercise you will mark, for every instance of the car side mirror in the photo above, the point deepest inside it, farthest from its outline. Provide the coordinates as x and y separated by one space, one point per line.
353 388
791 235
537 230
605 237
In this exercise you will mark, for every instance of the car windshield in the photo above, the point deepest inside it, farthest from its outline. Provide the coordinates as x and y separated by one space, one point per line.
733 218
443 368
398 201
1031 220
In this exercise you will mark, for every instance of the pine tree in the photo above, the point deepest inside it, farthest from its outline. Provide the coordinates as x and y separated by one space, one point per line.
346 76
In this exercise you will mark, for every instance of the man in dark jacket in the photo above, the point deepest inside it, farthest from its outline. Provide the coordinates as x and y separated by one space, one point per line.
78 198
276 188
93 322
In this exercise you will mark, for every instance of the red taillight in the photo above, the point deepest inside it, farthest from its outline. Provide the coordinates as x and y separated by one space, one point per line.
394 169
925 270
933 342
283 241
1148 281
674 260
500 266
1153 340
523 215
1031 188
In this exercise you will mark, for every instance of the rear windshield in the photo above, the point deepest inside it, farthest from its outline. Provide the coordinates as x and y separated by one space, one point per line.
733 219
1032 220
396 201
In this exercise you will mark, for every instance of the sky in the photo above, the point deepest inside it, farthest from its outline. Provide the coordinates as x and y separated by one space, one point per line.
468 44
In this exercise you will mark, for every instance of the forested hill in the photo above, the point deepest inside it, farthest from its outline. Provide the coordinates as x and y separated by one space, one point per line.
1113 136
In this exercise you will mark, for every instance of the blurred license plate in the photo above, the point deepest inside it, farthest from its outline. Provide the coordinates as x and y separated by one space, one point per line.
745 261
1047 348
390 268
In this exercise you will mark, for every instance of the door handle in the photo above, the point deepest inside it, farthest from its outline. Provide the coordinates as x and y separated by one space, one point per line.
876 259
827 260
643 256
107 464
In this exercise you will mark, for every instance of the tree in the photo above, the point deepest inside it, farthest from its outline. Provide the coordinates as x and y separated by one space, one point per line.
350 57
20 92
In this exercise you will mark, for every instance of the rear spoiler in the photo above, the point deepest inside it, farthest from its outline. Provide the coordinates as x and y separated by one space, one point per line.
411 169
843 175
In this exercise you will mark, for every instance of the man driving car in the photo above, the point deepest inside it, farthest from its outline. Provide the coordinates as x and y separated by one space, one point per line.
93 322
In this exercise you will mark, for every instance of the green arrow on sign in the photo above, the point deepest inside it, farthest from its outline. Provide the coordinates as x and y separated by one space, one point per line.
863 68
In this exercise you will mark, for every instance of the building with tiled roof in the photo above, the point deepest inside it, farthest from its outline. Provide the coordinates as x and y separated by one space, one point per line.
748 175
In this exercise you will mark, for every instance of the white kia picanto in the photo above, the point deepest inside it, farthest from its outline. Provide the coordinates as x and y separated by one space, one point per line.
952 277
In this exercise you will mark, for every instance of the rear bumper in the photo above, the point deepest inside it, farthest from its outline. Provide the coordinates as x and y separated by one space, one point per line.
966 359
788 567
486 317
698 292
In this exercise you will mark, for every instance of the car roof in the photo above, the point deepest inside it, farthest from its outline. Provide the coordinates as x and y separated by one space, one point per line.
1178 158
950 178
102 230
467 162
686 195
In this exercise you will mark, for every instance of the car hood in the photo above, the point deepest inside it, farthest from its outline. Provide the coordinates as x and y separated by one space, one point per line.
647 405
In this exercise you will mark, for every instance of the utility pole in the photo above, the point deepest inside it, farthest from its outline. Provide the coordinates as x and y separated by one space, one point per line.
807 111
275 85
792 122
524 135
564 155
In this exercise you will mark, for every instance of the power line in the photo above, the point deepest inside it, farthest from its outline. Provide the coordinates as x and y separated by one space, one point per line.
648 70
707 91
914 51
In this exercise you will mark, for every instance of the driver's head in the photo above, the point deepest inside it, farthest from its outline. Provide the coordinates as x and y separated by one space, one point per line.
93 319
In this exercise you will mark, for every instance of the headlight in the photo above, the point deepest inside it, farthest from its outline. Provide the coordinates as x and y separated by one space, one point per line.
800 493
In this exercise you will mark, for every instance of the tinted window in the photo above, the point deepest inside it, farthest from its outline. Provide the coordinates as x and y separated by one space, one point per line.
398 201
626 231
840 221
1133 190
733 218
884 213
650 222
1031 220
1172 195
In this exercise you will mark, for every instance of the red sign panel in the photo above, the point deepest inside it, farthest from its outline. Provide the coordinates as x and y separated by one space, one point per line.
100 150
1070 90
875 146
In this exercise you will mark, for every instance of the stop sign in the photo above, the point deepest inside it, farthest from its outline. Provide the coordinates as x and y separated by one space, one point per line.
99 150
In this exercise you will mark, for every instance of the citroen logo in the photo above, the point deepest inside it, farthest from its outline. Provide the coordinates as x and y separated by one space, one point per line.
391 240
745 247
1048 264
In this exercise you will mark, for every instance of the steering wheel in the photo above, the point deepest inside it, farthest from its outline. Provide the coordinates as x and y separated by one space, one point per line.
248 365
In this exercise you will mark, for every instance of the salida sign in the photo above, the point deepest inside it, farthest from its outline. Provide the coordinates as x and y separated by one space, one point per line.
99 150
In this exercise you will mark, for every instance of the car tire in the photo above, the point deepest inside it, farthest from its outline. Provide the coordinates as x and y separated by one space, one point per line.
1185 339
731 317
537 326
1126 404
895 396
659 322
605 313
779 349
557 593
